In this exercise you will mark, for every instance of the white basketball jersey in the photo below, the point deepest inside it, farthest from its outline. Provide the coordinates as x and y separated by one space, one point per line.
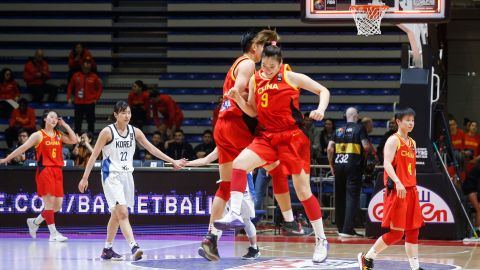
118 153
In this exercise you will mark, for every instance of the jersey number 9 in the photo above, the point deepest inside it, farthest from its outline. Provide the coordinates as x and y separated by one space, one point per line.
264 102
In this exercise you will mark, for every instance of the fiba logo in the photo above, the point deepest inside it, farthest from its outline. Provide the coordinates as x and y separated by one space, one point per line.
226 104
434 208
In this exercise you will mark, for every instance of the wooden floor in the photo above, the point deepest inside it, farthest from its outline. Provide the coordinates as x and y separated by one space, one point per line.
83 251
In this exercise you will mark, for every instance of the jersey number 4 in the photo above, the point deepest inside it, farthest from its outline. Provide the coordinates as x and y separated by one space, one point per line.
123 156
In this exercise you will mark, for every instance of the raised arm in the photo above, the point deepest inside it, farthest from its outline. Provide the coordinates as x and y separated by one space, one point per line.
140 137
33 140
205 160
388 156
303 81
71 138
104 137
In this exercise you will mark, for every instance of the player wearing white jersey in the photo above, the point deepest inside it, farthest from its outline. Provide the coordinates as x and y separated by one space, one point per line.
117 143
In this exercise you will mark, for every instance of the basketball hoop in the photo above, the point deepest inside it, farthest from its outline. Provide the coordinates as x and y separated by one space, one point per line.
368 18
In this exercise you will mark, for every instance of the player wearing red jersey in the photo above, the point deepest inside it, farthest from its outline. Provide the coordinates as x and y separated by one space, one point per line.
401 210
233 132
274 99
49 177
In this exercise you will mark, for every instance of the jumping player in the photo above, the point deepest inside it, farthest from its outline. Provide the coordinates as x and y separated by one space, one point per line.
247 212
234 131
401 210
117 144
49 176
274 98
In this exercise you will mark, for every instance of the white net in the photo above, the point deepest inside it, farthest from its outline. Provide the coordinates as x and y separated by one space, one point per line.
368 18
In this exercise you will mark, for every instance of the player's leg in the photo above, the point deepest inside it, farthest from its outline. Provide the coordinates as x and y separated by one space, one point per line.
365 261
209 246
112 229
121 213
473 198
301 182
49 215
411 248
245 162
248 212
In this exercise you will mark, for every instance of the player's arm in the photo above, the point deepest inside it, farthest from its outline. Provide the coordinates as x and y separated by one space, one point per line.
71 138
304 82
330 153
104 137
248 106
388 156
205 160
245 70
140 137
33 140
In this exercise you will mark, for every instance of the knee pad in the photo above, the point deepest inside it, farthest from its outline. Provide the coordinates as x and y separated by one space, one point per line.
392 237
411 236
279 180
223 191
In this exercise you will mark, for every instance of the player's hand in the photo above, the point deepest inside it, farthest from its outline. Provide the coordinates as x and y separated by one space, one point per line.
401 191
178 164
332 170
3 161
83 185
234 94
61 122
317 115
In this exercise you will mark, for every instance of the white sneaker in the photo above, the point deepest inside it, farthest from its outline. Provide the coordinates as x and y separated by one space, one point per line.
32 227
321 251
57 237
230 221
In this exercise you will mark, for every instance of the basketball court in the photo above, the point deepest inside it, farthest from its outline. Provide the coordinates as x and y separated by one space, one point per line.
83 251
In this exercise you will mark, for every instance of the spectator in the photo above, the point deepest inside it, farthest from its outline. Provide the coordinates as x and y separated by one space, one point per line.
326 135
206 147
319 5
392 128
171 112
22 118
313 134
83 150
178 148
456 135
216 111
138 100
86 87
76 58
158 141
36 74
9 92
28 155
472 146
367 122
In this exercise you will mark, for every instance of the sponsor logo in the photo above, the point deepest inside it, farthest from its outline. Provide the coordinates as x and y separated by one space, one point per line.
434 208
226 104
422 153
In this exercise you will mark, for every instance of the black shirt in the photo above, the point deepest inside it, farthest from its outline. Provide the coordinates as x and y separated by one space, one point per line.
348 145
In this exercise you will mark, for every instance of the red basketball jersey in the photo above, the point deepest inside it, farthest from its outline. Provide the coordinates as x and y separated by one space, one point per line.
277 101
458 140
49 150
229 107
404 163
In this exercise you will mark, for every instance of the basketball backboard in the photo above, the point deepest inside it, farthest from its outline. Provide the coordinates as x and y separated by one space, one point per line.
400 11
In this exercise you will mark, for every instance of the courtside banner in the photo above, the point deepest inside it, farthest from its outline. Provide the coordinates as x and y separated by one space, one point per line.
162 197
441 212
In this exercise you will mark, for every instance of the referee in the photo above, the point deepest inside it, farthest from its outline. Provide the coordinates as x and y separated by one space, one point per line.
346 156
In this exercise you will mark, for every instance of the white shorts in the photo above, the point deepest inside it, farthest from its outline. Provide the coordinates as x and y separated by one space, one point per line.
119 189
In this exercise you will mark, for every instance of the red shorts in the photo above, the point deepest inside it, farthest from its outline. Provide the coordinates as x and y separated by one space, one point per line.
49 181
402 213
231 137
291 147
